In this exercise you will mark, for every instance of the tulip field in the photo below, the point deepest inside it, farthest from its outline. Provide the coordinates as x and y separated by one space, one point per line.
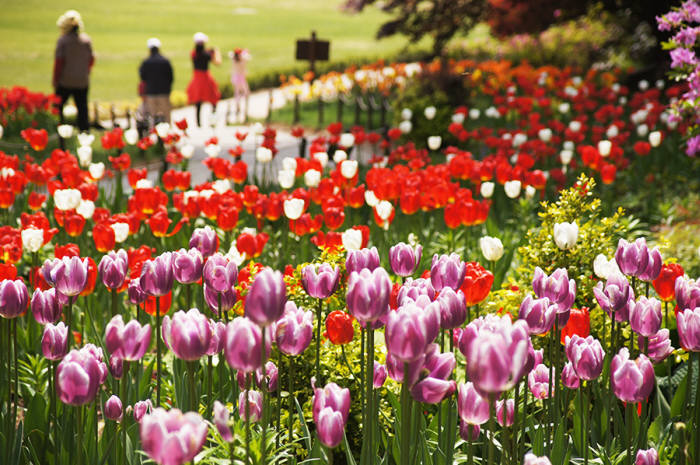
494 293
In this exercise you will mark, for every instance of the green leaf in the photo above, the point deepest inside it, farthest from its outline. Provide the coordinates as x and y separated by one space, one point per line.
35 418
678 402
348 453
561 444
304 428
14 457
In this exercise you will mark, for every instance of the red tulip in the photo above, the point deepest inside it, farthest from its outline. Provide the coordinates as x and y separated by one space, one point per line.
477 283
227 218
67 250
103 235
339 327
664 284
36 200
37 138
8 271
121 163
74 225
579 323
165 302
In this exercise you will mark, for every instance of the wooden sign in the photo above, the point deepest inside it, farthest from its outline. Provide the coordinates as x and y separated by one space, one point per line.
312 50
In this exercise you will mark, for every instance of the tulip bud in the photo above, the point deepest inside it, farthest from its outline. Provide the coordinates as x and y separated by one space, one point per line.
162 429
205 240
538 382
221 419
84 155
565 235
141 408
320 282
434 142
113 268
131 136
565 156
96 170
352 240
32 239
545 134
688 322
113 409
487 189
569 377
359 259
655 138
645 316
340 156
404 259
348 169
405 126
54 341
368 294
406 113
532 459
491 248
312 178
253 409
266 297
631 380
347 140
505 418
187 334
512 188
371 199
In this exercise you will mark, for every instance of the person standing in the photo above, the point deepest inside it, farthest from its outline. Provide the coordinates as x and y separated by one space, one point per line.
72 64
202 87
239 58
156 75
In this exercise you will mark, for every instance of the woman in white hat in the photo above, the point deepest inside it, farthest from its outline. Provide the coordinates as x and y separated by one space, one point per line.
202 87
72 65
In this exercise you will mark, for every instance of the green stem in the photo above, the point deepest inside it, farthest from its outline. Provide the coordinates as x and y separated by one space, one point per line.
516 407
158 351
405 419
80 434
290 419
319 315
492 427
14 354
210 369
628 435
696 426
193 389
370 387
263 387
583 418
125 401
188 292
114 303
247 419
688 384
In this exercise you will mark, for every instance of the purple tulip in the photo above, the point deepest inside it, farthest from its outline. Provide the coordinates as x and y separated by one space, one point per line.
54 341
358 260
46 308
645 316
331 408
113 409
468 432
379 375
321 282
395 369
171 437
187 334
496 351
647 457
218 336
632 258
509 406
136 295
586 355
265 301
243 344
631 380
205 240
113 268
13 298
538 314
97 353
687 293
413 288
558 288
447 271
404 259
538 382
294 330
116 367
219 273
532 459
187 266
271 377
221 419
368 294
688 322
157 275
453 308
128 342
68 275
411 328
213 297
658 346
538 357
614 296
653 268
255 405
473 409
435 386
569 377
78 377
141 408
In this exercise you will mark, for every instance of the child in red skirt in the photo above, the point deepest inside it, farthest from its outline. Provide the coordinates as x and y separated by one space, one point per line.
202 87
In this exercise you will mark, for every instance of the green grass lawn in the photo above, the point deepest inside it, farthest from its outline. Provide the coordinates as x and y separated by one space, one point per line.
119 30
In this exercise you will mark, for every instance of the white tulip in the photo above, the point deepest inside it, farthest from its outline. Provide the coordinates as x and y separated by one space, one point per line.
85 155
187 151
643 85
67 199
96 170
162 129
352 239
258 128
234 255
312 178
213 150
339 156
322 158
492 112
565 156
487 189
131 136
121 232
564 107
565 235
263 155
434 142
655 138
32 239
2 131
347 140
70 111
604 268
86 208
530 192
575 126
545 134
519 139
642 130
65 131
604 147
458 118
406 114
6 172
348 169
622 100
429 112
512 188
569 145
660 84
577 80
289 164
144 183
293 208
615 87
491 248
221 185
384 209
286 178
85 139
371 199
412 240
612 131
405 126
474 113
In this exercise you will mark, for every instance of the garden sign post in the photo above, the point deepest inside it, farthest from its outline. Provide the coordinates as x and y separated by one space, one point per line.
312 50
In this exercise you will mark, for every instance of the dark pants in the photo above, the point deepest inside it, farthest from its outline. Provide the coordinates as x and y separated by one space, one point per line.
80 99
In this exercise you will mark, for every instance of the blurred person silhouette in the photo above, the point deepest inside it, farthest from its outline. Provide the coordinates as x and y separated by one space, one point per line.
72 64
239 58
202 87
157 80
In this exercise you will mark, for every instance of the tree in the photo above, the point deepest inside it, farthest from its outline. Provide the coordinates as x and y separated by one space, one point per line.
437 19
